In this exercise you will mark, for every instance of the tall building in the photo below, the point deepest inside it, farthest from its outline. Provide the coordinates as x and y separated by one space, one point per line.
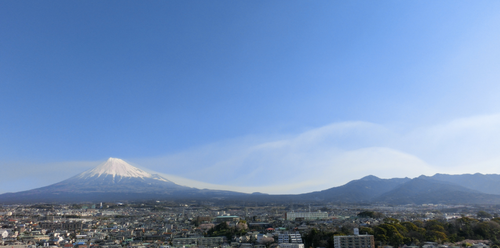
354 241
306 215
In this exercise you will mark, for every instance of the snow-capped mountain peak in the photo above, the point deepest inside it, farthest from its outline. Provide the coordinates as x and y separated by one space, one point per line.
117 168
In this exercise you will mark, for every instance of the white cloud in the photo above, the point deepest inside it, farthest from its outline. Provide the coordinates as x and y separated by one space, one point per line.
314 160
460 142
335 154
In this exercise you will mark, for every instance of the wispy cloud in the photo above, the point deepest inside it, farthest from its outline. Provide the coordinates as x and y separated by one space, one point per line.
335 154
316 159
460 142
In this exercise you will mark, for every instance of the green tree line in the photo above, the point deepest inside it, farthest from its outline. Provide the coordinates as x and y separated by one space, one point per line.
395 233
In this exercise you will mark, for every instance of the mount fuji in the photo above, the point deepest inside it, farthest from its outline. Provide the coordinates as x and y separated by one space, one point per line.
115 176
113 180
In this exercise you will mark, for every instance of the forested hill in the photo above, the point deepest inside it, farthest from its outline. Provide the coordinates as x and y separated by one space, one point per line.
395 233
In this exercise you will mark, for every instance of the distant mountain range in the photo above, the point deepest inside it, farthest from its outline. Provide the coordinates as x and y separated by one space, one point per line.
116 180
418 190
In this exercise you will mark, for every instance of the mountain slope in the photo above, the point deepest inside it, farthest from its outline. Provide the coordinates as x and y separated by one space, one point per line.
114 176
113 180
357 191
488 183
424 189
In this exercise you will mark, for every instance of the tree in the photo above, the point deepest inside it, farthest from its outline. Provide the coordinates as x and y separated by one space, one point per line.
465 227
222 229
318 238
487 230
436 236
241 227
370 214
484 214
364 230
380 234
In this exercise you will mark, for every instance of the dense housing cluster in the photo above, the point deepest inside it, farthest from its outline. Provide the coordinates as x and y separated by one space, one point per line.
248 225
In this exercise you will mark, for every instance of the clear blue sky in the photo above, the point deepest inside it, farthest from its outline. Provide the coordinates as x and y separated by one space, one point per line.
183 86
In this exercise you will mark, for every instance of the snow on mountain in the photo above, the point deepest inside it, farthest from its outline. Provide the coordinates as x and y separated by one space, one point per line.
114 180
116 167
116 176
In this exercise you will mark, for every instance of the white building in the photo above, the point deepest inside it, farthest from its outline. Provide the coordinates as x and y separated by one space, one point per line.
4 233
306 215
354 241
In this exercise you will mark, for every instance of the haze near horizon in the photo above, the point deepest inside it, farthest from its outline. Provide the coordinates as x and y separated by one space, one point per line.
274 97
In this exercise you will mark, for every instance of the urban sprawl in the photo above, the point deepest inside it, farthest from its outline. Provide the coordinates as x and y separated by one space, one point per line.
161 224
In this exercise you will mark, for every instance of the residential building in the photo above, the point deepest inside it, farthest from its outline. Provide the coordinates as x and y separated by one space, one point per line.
354 241
286 237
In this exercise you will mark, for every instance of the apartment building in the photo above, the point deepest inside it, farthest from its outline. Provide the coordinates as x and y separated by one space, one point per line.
354 241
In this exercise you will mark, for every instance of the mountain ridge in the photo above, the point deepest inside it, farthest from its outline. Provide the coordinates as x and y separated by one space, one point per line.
115 179
360 190
487 183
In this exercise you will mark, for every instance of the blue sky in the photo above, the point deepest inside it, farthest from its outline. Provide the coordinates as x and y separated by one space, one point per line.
270 96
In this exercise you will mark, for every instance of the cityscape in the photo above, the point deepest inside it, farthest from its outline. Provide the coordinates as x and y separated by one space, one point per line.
220 224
